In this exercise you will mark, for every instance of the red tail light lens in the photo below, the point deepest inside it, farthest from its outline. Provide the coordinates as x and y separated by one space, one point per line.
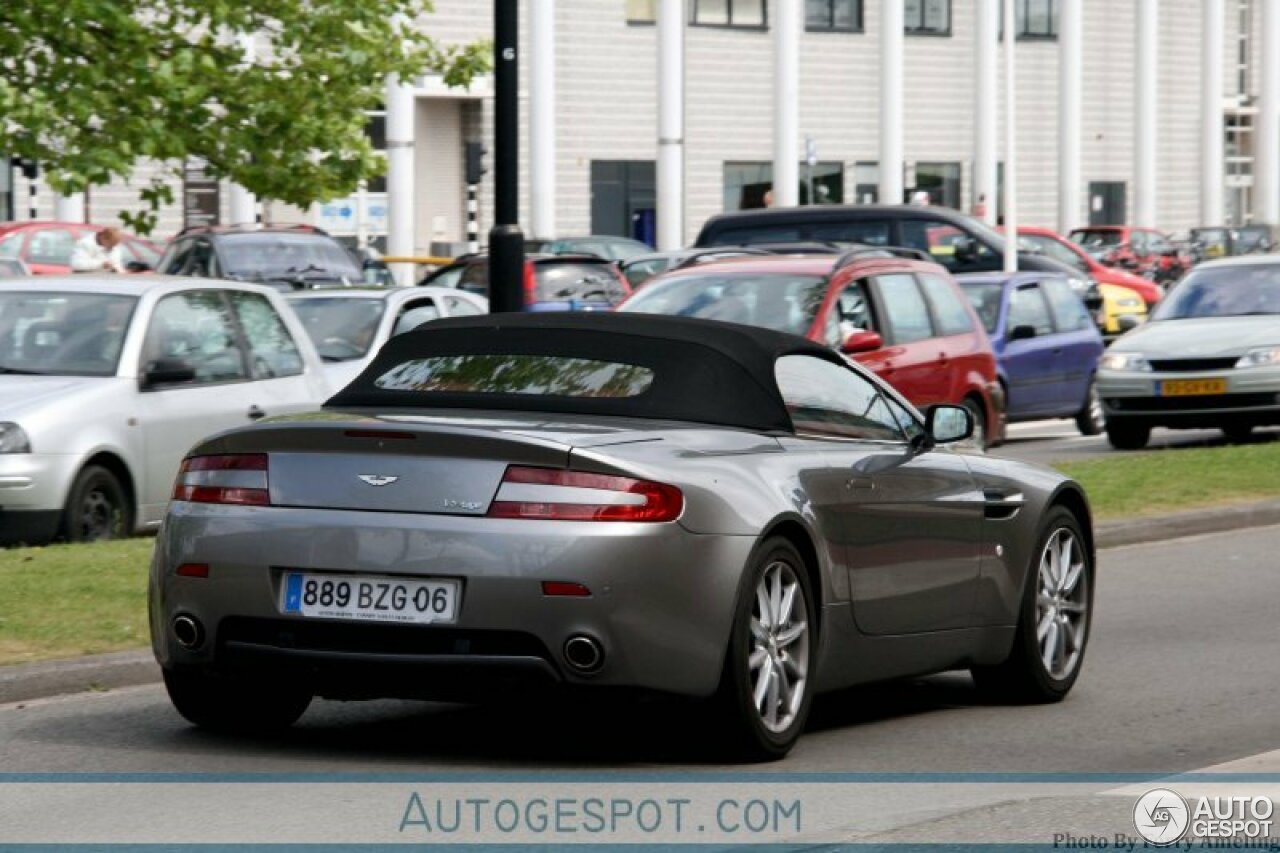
530 284
551 493
224 479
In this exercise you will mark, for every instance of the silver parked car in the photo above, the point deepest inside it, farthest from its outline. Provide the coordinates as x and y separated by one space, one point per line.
1208 357
613 500
107 381
349 326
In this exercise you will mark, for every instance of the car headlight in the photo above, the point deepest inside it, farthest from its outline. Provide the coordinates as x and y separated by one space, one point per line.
1129 302
13 439
1263 357
1125 361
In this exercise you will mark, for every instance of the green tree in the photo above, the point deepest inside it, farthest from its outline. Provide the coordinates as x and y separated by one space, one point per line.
91 87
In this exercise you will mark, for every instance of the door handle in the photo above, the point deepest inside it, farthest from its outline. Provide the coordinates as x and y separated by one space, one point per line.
860 484
256 414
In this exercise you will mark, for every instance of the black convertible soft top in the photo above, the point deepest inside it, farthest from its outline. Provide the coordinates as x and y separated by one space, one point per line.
704 371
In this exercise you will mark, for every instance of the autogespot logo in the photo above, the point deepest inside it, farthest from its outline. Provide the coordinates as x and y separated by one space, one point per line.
1161 817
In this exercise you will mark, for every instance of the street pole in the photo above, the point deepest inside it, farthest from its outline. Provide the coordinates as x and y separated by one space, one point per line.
892 47
786 103
506 242
1010 144
670 124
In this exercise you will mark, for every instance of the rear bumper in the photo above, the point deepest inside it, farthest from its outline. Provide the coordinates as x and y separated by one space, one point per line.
661 599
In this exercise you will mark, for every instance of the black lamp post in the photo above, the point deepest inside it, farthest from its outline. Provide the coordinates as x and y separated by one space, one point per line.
506 241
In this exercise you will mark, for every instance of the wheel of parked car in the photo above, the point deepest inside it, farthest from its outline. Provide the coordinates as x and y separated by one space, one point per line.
1091 420
766 687
1238 432
979 421
1053 623
235 704
96 508
1127 435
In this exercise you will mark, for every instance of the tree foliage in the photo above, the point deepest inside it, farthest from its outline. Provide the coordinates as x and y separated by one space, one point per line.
91 87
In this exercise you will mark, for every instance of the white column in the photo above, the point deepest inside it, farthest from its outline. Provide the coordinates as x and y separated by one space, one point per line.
542 119
243 205
670 124
69 208
1266 165
786 103
1212 159
986 105
1070 69
1146 117
401 106
1010 144
891 51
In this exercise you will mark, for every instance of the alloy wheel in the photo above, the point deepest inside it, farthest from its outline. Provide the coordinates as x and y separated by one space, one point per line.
1062 604
779 661
97 516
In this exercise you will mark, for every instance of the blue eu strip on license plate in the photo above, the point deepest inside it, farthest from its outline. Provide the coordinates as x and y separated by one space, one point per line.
293 594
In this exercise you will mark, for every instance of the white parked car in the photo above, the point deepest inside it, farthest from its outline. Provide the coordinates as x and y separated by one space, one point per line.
107 381
349 326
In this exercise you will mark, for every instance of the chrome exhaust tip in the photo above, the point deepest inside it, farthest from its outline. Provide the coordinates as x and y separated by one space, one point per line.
188 632
584 654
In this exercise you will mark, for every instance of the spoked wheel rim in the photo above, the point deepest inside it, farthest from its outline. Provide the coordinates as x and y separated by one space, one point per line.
97 516
778 666
1062 605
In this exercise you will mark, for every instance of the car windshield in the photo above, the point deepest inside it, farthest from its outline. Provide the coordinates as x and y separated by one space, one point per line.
985 299
342 328
1232 291
1053 249
276 255
63 334
787 302
1093 240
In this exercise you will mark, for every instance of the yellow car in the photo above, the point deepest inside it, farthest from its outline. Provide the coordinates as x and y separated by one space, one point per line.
1122 309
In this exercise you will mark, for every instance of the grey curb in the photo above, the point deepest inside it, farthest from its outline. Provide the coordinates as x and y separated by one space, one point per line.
23 682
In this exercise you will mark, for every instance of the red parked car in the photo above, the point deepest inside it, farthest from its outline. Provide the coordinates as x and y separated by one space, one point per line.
1054 245
1144 251
903 317
46 247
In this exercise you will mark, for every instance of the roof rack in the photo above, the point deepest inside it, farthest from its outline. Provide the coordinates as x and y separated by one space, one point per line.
882 252
245 226
715 253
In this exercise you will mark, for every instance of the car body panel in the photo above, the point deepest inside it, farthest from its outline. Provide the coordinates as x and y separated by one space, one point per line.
1062 249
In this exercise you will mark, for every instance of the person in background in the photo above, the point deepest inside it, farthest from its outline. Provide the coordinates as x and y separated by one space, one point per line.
101 251
980 207
920 198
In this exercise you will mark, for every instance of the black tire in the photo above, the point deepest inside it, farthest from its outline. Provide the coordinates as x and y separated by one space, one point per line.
97 508
1023 676
1237 433
981 437
1091 420
238 705
1128 435
742 723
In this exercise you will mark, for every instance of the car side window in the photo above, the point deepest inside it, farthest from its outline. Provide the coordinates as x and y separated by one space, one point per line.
952 315
1028 308
51 246
828 400
196 327
906 312
174 257
460 307
272 351
1138 242
11 246
907 422
1068 309
851 312
475 279
939 239
414 314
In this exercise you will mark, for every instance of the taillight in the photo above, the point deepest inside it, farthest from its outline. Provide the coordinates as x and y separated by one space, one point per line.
551 493
530 284
224 479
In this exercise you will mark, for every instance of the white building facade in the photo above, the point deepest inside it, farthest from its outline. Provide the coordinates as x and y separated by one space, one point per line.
604 136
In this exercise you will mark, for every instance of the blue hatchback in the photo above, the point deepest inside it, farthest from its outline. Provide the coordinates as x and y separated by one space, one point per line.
1046 344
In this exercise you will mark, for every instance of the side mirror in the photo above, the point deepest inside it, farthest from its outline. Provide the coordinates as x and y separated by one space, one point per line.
948 424
965 249
137 266
168 371
863 340
1022 333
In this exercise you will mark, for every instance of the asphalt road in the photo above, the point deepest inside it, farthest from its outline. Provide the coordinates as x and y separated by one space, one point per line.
1181 675
1059 441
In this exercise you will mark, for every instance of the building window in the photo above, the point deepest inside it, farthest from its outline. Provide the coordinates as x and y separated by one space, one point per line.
746 184
1037 19
841 16
642 11
376 129
866 183
941 181
729 13
927 17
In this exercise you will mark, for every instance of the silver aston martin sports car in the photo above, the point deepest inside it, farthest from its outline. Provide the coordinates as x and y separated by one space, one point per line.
625 501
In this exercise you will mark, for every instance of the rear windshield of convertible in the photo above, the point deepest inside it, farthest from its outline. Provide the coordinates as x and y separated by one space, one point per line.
539 375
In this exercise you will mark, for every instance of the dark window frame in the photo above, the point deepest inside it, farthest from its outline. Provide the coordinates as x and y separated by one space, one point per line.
760 27
1022 15
858 27
921 30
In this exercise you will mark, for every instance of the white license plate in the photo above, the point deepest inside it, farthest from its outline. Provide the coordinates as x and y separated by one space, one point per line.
378 599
